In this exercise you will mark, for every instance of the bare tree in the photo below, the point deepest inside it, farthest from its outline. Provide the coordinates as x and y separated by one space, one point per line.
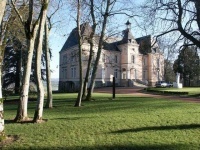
91 52
49 103
31 28
55 6
79 98
180 16
169 49
105 14
40 88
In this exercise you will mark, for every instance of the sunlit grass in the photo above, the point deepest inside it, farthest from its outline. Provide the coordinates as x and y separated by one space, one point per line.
191 90
124 123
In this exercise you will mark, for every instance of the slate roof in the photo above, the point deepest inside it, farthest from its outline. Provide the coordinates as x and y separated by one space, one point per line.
144 42
110 46
72 40
127 35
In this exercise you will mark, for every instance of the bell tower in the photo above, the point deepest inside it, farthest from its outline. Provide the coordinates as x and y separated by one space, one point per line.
128 24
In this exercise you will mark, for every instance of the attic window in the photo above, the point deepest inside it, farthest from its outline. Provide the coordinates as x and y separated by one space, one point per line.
154 50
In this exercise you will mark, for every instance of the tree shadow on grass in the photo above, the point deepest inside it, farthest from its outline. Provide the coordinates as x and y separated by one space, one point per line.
153 128
9 139
29 120
118 147
68 118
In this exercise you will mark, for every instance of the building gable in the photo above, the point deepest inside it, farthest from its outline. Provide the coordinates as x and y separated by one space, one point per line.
73 37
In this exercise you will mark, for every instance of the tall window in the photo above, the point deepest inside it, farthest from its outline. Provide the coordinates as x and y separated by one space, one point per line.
73 58
90 73
116 59
73 72
62 73
104 58
65 72
124 75
116 73
158 76
133 59
144 61
63 59
103 73
144 75
158 63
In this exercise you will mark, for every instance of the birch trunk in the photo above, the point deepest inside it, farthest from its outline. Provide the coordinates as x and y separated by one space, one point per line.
2 9
49 103
79 98
105 18
1 105
23 104
40 88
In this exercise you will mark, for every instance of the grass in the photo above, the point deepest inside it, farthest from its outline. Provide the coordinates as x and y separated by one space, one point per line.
192 91
125 123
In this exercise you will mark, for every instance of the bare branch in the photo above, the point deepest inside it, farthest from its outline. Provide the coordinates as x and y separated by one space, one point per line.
17 12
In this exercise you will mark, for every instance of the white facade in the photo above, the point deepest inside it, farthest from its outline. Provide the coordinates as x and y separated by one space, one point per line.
127 60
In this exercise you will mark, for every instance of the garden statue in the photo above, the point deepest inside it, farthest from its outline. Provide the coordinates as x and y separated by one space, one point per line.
177 84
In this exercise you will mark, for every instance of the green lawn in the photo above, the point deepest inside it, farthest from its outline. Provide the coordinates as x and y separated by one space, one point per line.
193 91
125 123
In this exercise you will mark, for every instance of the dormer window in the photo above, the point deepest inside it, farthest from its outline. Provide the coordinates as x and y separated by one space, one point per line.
154 50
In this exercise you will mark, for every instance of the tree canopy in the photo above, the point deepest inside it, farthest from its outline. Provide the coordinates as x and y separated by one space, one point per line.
179 16
187 63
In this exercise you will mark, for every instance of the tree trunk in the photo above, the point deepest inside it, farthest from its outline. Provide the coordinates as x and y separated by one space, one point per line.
91 49
2 9
18 71
79 98
105 17
49 103
1 105
180 24
22 107
40 88
85 85
197 5
30 29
